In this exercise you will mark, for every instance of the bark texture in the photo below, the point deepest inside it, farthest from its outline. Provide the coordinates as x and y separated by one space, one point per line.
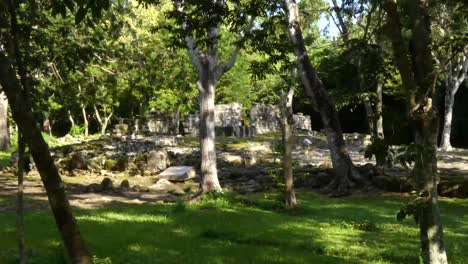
209 71
4 130
416 66
456 73
346 176
286 124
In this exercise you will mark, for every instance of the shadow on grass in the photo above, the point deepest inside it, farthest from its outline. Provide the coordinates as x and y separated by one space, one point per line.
240 229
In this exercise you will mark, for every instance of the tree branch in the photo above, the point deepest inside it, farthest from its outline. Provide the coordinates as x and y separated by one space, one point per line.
190 43
226 66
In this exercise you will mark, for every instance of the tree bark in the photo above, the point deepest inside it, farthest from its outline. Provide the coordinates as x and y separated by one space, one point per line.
85 120
456 74
209 71
207 87
70 117
103 122
379 110
20 202
286 124
23 116
4 130
346 176
416 66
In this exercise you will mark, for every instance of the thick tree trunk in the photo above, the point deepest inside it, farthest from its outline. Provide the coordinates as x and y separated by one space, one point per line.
425 172
416 66
4 130
20 203
40 152
286 124
346 176
207 87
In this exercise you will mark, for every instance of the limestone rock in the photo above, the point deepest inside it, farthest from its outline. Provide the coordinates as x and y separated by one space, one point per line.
156 161
178 173
167 186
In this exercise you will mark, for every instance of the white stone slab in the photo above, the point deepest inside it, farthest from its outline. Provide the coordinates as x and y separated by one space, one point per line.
178 173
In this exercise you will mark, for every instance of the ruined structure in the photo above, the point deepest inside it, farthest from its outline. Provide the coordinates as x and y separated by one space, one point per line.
229 122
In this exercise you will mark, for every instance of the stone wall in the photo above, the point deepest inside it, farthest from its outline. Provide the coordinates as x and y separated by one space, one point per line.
265 119
228 122
156 123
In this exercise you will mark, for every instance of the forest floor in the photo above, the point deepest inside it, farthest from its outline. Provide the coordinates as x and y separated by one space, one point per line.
450 163
152 227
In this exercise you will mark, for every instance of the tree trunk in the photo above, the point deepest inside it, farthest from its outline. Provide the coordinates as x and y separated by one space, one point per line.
346 176
457 72
286 124
102 122
449 102
85 120
370 115
70 117
207 87
46 127
4 130
23 116
415 63
20 203
379 110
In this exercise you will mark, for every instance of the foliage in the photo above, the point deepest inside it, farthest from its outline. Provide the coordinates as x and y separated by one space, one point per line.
412 208
77 130
383 153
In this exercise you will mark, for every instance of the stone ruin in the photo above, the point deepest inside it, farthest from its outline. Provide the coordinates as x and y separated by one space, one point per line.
229 122
156 123
265 119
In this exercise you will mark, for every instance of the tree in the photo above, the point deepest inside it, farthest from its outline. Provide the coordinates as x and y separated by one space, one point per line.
200 25
13 64
346 175
366 56
450 30
286 123
415 62
4 129
20 202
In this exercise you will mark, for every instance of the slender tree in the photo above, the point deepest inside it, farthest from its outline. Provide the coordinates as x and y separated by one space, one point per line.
286 124
20 201
209 69
4 129
346 175
17 87
415 62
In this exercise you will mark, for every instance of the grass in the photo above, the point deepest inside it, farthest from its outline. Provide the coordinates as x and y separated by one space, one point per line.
243 229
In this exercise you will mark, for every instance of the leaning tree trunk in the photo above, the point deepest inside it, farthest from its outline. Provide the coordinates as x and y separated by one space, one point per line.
346 176
207 87
23 116
4 131
286 124
20 203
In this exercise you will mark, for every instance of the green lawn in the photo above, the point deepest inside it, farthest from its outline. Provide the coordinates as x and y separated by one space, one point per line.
244 230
